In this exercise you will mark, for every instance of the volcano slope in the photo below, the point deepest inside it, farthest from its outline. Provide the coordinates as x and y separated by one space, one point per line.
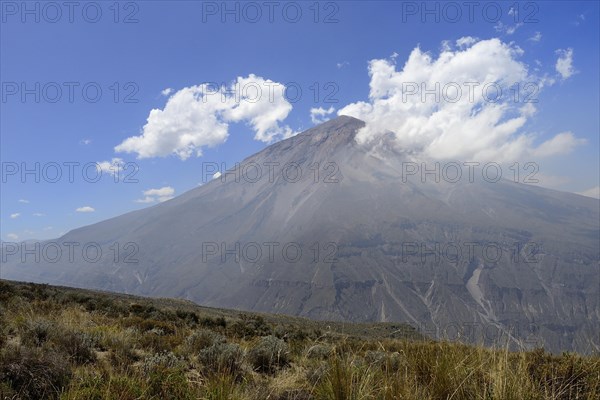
319 226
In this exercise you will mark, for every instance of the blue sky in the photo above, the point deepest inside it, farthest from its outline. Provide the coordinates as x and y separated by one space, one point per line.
182 44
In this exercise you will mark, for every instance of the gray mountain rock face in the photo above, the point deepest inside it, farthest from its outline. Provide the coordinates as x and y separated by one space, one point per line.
322 227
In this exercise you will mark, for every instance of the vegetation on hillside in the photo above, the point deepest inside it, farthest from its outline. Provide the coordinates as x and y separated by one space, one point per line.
61 343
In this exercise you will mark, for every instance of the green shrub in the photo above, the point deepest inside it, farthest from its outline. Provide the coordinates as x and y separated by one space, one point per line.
202 339
36 332
269 354
169 383
3 328
209 322
249 327
189 317
222 358
78 346
319 352
157 341
159 361
33 373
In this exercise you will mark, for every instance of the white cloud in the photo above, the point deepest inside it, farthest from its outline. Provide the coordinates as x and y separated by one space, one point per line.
459 123
166 92
564 64
508 29
12 236
163 191
342 64
466 41
85 142
112 167
317 114
15 215
562 143
199 116
157 195
38 214
85 209
592 192
48 228
23 201
536 37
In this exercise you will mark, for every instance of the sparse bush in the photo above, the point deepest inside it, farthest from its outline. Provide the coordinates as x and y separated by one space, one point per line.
209 322
156 341
202 339
158 361
189 317
318 351
347 378
169 383
122 352
269 354
78 346
36 332
3 327
249 327
222 358
146 325
33 373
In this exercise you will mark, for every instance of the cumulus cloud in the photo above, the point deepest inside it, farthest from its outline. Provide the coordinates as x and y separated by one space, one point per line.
15 215
564 64
317 115
342 64
85 209
536 37
592 192
507 29
456 106
199 116
157 195
166 92
112 167
466 41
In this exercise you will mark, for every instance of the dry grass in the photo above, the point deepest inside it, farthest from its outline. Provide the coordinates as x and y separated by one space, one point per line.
60 343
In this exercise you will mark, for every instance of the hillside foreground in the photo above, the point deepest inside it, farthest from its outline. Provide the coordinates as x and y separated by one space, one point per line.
64 343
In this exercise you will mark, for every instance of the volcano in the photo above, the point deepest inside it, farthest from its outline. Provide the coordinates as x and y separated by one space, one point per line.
320 226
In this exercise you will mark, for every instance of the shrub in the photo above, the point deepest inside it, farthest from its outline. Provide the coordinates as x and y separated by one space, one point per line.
209 322
168 383
79 346
159 361
122 352
34 374
157 341
202 339
269 354
3 327
319 351
249 327
146 325
35 333
189 317
222 358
